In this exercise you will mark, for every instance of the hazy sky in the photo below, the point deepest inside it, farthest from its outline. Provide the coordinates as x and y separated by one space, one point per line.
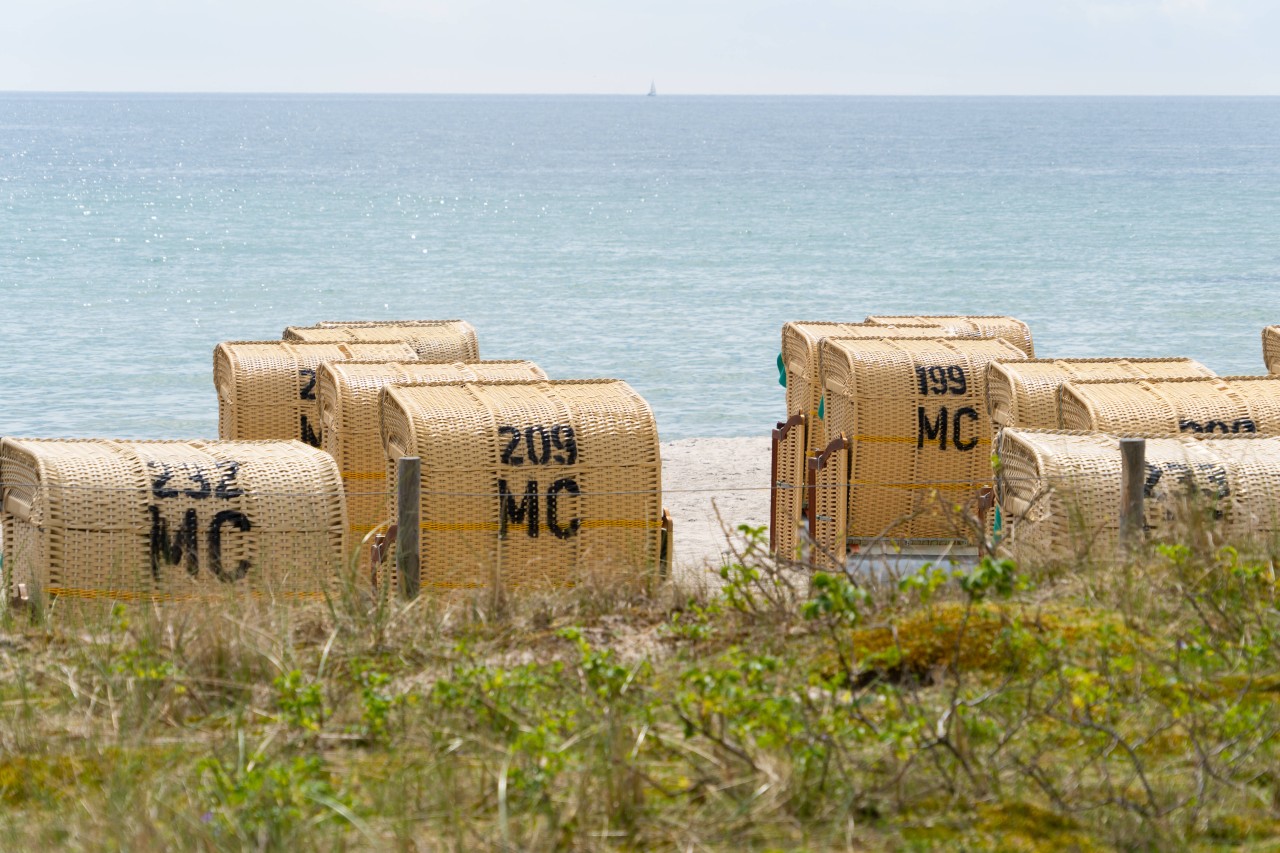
606 46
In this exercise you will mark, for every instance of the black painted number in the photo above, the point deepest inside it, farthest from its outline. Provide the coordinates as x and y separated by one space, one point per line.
226 488
564 440
160 477
508 452
309 384
539 444
162 474
942 380
177 544
1208 479
1236 426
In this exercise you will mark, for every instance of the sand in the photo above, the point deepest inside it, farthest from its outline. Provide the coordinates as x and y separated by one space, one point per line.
701 475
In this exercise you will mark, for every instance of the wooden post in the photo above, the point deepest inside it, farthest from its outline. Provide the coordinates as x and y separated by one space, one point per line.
986 500
666 554
1133 459
408 532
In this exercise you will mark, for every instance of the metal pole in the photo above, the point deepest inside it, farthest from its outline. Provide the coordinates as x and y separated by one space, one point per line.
408 532
1133 459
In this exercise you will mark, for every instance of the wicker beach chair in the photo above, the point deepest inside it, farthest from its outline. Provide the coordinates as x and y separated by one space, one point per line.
800 341
1227 404
805 430
349 395
529 484
912 412
146 520
1024 394
1059 491
432 340
267 389
1011 329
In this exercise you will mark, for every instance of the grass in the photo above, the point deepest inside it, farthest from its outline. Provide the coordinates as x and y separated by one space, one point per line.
1133 705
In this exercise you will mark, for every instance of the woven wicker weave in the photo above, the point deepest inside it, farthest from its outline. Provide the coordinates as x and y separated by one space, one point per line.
1060 491
349 394
432 340
1228 404
1011 329
800 361
912 409
1025 393
1271 348
529 483
266 389
135 520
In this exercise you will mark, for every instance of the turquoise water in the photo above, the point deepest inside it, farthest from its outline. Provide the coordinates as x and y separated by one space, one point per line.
662 240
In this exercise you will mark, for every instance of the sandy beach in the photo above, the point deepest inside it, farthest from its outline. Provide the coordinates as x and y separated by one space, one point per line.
701 476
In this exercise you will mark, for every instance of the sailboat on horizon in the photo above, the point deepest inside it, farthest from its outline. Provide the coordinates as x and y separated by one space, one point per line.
653 90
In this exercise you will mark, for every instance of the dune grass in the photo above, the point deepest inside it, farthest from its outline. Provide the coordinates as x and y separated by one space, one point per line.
1132 704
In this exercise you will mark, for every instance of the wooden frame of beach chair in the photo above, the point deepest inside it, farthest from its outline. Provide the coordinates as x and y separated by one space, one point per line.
787 495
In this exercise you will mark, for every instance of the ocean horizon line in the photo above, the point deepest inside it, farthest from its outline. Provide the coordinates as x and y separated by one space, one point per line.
630 94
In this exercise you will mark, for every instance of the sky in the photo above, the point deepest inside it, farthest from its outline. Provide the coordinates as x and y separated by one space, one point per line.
854 47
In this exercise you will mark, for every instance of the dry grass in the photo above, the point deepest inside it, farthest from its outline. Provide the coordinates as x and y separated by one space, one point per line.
1131 705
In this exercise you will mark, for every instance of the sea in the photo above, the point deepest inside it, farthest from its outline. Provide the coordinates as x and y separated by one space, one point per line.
663 240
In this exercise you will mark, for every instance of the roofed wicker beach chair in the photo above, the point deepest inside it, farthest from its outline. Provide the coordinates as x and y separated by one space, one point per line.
913 413
529 483
800 341
1025 393
432 340
349 395
151 520
1211 404
267 389
1011 329
1059 491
